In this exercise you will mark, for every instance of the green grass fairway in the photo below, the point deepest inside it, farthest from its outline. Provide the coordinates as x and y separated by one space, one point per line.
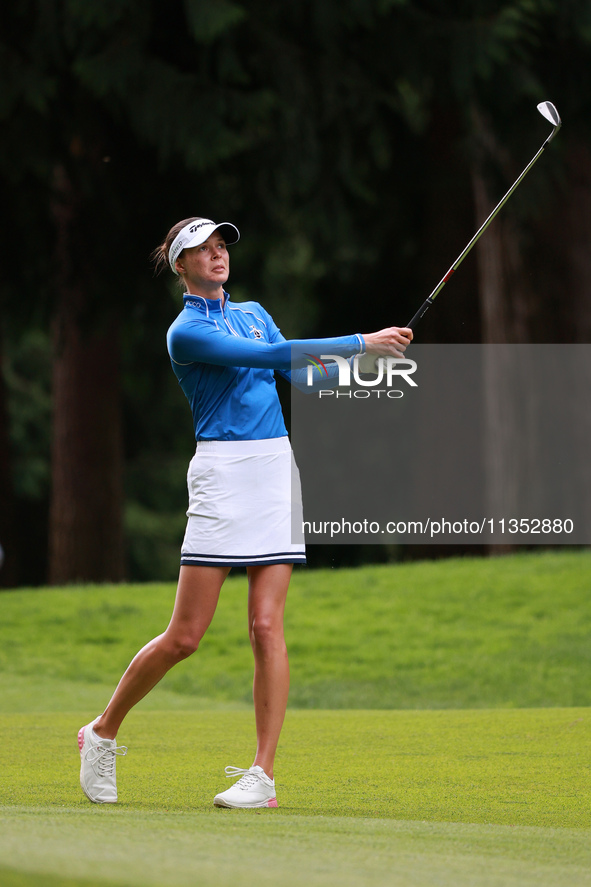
439 733
447 797
507 767
116 847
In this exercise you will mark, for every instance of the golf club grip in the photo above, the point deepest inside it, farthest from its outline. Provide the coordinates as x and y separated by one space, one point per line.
422 310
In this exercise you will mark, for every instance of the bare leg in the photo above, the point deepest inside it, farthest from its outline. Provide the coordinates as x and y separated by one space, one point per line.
196 600
266 605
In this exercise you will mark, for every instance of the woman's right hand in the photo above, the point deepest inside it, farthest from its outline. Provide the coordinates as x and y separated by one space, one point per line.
391 341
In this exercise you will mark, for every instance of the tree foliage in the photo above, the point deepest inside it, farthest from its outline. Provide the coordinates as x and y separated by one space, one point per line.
344 137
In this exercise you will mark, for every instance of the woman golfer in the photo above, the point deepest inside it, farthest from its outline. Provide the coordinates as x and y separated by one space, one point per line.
241 495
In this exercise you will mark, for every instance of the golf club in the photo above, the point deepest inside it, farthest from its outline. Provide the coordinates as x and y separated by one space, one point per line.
547 110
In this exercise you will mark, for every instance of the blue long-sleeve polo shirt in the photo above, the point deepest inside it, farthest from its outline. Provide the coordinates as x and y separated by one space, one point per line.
224 355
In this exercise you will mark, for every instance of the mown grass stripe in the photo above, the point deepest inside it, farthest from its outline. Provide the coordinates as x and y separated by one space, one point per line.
114 847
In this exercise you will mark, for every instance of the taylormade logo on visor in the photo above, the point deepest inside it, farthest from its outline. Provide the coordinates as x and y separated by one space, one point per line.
388 370
183 237
193 235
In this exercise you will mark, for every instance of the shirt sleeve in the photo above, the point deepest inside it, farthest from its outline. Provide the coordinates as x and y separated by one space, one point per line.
298 377
199 342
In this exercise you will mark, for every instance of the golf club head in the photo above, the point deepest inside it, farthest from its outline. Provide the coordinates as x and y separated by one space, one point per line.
548 110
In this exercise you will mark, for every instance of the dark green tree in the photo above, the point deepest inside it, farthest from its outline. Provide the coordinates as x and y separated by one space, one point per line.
113 113
356 142
91 107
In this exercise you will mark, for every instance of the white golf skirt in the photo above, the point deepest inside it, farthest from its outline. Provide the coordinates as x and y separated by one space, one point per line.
244 499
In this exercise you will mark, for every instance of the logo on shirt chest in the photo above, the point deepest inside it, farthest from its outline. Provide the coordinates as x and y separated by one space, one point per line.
256 333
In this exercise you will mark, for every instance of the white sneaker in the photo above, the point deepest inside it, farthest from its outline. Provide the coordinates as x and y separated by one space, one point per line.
97 765
255 789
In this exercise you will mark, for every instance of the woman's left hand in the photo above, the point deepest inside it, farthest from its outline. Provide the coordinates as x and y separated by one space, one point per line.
391 341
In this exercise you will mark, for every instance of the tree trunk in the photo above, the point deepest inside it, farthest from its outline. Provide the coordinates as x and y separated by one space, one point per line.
504 289
86 528
572 229
540 294
505 300
8 534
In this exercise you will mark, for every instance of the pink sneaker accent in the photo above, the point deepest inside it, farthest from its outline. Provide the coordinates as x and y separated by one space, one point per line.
98 778
253 789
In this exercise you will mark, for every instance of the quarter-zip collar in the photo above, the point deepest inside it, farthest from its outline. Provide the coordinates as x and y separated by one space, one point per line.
215 309
208 306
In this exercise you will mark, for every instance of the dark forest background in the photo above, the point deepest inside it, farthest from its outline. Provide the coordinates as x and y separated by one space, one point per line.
357 144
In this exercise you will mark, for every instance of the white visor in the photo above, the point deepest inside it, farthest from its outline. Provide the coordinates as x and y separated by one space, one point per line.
196 233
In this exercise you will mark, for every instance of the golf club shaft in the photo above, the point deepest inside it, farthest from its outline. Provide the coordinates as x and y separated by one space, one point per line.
429 301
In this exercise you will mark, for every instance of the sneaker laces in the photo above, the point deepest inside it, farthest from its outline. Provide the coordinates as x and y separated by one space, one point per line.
249 778
104 758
